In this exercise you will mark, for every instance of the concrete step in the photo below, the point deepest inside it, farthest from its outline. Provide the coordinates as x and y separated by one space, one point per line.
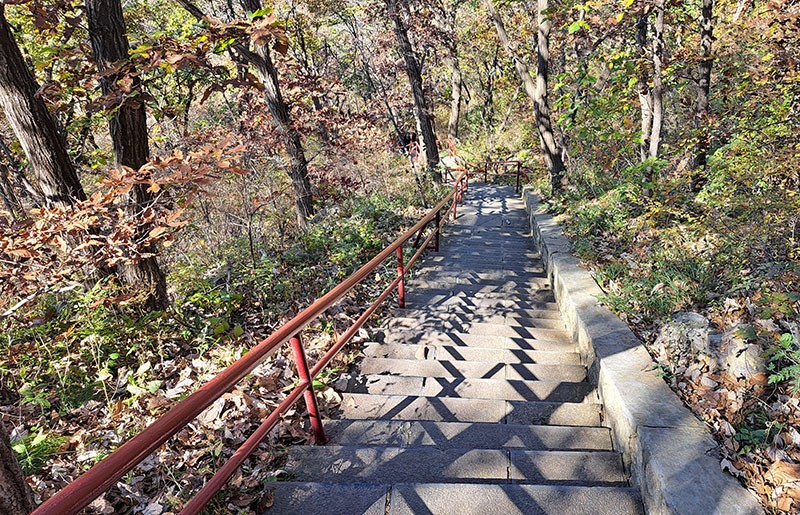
488 267
448 435
449 352
470 284
442 273
531 263
468 388
427 298
472 369
541 293
453 409
455 339
462 320
516 499
476 314
480 328
477 311
293 498
345 464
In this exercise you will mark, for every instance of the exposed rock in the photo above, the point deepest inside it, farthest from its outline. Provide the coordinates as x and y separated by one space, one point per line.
685 332
738 357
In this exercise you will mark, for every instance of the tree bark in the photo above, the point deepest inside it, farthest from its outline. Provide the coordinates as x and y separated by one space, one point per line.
421 109
15 496
261 60
537 91
658 84
552 150
456 85
702 127
34 126
643 84
298 170
128 127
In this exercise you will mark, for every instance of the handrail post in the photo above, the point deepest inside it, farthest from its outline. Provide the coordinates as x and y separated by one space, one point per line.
518 187
401 273
310 396
436 234
486 172
455 203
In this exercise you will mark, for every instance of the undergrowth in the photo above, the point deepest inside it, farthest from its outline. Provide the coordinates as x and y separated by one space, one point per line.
93 357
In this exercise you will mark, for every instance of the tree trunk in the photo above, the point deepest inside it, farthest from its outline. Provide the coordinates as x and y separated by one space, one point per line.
703 132
537 91
34 126
128 127
456 85
643 84
421 110
658 85
298 170
7 191
261 60
551 148
15 496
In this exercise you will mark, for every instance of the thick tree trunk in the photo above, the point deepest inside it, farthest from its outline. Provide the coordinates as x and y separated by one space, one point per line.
128 127
643 84
658 84
14 493
703 132
421 110
550 147
33 125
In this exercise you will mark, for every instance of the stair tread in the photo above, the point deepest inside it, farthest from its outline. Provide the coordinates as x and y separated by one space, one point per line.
454 409
468 388
474 369
396 464
451 352
458 339
323 498
475 435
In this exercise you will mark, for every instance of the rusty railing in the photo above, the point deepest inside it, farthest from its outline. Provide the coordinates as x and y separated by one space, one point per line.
504 168
81 492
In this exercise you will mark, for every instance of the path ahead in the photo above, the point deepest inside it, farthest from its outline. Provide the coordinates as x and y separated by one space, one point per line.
474 401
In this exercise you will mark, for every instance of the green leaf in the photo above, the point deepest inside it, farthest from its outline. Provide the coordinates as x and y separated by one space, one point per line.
20 448
574 27
264 11
238 331
38 439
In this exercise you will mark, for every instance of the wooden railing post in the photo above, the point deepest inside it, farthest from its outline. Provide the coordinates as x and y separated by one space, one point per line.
401 273
310 396
518 187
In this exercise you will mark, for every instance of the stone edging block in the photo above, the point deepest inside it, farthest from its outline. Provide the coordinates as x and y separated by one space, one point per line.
673 459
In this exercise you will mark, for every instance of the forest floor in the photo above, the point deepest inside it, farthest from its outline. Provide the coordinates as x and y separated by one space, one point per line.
82 372
715 295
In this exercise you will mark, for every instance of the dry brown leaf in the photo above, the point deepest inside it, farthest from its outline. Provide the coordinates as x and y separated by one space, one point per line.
783 472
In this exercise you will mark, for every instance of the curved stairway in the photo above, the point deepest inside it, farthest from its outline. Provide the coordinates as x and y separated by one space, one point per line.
473 401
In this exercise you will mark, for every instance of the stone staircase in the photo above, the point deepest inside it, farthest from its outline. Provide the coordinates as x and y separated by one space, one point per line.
474 399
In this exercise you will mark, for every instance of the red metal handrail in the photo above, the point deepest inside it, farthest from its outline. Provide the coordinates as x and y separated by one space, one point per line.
518 173
81 492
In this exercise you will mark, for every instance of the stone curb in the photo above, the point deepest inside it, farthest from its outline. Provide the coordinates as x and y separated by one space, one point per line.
673 459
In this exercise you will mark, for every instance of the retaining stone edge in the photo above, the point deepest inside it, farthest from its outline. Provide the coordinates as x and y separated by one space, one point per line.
673 459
